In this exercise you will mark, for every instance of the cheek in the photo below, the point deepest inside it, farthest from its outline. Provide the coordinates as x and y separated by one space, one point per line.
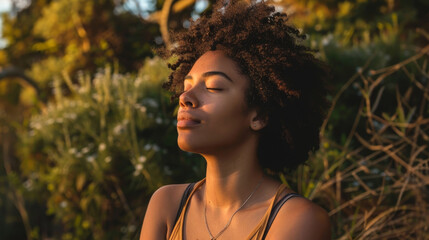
227 107
228 121
228 112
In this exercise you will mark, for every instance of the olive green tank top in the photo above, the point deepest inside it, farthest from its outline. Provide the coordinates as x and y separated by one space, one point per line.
258 233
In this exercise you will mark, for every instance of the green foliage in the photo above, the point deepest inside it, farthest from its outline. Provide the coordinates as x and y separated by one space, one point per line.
97 154
51 37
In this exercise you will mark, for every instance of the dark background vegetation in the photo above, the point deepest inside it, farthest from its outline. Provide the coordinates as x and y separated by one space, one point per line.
87 134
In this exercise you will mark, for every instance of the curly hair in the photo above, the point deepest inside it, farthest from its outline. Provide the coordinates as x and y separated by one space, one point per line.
286 80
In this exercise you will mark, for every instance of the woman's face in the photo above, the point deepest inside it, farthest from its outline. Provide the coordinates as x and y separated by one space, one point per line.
213 115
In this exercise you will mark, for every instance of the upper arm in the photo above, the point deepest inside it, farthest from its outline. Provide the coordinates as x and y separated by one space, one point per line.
301 220
161 212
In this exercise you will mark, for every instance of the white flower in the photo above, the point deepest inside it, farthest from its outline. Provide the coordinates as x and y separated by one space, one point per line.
108 159
147 147
72 150
158 120
85 150
63 204
142 159
327 39
28 184
140 107
118 129
139 167
150 102
90 158
101 147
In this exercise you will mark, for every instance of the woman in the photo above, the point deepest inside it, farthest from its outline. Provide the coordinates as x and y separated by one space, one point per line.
252 103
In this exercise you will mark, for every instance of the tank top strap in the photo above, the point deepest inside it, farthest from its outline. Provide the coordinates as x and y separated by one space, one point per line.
258 232
185 196
276 209
177 233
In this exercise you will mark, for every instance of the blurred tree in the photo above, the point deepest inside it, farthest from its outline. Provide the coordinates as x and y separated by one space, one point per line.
46 38
355 22
50 37
173 15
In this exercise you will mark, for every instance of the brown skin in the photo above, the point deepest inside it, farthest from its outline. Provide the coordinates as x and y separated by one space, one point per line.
215 106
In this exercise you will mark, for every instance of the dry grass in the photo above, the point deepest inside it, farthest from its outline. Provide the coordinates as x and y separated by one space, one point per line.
376 182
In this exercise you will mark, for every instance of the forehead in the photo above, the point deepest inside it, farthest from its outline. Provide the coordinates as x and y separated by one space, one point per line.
216 61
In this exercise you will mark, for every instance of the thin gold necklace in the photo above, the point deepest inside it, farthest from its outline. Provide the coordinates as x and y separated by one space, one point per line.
229 222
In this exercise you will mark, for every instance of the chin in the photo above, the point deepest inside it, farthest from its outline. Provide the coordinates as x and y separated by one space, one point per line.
186 146
192 145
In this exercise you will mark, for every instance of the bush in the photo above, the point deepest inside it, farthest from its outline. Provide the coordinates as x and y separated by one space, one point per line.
96 154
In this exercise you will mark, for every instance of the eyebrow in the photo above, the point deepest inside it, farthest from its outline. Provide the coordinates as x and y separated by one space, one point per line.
212 73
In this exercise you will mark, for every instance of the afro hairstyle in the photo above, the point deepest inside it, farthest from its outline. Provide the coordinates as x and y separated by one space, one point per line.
287 83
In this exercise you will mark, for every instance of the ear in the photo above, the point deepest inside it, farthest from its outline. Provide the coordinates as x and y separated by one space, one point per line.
258 121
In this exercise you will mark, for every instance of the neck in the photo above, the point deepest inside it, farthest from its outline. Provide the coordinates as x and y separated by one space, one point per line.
230 179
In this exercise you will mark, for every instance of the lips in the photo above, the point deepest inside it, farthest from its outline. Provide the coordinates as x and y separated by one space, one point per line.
187 120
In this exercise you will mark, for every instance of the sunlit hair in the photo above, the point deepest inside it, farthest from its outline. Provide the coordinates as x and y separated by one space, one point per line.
286 80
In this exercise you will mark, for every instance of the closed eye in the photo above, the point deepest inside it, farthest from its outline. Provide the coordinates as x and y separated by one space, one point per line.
214 89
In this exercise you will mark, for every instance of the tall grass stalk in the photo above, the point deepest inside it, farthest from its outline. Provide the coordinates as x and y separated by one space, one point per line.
375 183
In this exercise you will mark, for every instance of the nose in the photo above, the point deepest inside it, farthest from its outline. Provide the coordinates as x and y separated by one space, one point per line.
188 99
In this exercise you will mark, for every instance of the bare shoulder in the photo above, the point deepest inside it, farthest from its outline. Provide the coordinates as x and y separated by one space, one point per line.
161 211
169 193
299 218
167 199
